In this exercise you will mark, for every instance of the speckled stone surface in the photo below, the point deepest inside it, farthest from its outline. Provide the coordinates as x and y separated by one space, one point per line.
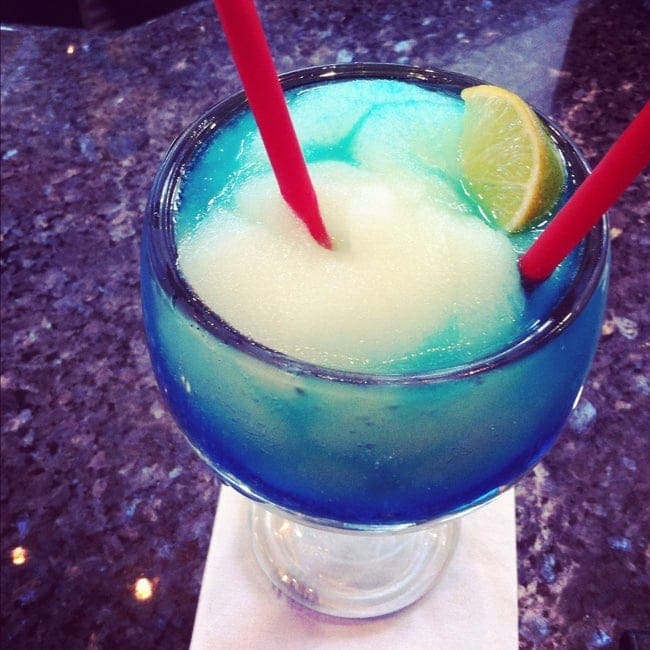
98 485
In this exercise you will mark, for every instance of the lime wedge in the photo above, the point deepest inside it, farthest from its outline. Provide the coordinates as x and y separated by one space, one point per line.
509 163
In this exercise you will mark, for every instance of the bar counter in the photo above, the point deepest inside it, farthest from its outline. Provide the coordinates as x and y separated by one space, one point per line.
99 488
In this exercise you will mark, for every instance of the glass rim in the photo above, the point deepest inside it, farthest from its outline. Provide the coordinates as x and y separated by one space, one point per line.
161 243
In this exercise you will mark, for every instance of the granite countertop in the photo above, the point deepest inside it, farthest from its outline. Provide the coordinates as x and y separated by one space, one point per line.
99 488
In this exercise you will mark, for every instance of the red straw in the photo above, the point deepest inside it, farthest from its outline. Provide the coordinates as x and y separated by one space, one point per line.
245 35
626 159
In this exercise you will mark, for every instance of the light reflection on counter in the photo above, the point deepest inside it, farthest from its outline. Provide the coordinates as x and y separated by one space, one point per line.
19 555
143 589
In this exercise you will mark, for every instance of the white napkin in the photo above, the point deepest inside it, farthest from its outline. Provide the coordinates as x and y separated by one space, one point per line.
473 606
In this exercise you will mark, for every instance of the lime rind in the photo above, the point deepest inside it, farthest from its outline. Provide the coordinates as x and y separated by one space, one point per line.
509 163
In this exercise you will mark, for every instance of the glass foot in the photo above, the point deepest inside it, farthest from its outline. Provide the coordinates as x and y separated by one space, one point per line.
350 574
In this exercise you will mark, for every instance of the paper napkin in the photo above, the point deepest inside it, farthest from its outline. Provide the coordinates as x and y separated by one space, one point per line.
473 606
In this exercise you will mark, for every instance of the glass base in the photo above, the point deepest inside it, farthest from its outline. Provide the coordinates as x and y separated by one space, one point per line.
350 574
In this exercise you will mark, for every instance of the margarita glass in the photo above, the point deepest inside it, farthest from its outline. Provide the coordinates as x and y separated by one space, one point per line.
358 479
